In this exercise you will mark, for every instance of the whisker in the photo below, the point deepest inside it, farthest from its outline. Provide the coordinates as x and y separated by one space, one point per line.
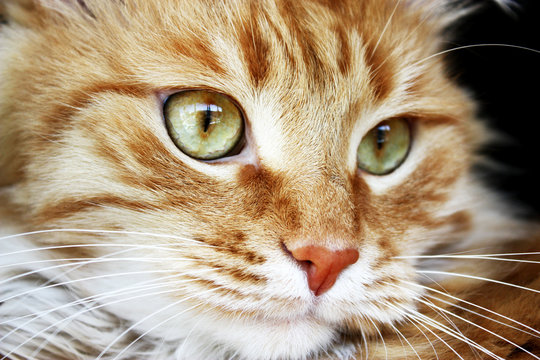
56 324
457 335
409 35
476 46
477 278
88 260
84 301
450 322
414 318
60 325
365 343
481 327
472 257
406 314
464 255
478 314
388 22
88 299
104 351
406 340
437 336
101 231
480 307
78 266
440 314
184 341
44 330
514 254
101 245
382 338
83 279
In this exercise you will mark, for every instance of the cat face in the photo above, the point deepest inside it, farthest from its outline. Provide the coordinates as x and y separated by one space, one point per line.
210 246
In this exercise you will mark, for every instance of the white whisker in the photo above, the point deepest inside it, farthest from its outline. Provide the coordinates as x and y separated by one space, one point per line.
99 231
64 322
481 327
456 332
477 278
130 328
480 315
413 317
365 343
476 46
382 338
86 261
112 245
465 255
100 297
457 335
69 282
96 297
78 266
55 325
73 316
406 314
472 257
537 332
406 340
388 22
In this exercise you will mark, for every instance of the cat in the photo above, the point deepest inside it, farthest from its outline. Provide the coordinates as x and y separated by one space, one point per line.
249 179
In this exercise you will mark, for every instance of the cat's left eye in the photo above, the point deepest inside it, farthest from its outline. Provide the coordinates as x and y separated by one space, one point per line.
385 147
205 125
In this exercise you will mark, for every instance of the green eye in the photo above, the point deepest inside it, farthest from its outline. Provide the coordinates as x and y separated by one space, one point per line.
203 124
385 147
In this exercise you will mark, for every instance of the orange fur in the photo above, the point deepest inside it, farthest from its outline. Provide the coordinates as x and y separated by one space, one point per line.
83 145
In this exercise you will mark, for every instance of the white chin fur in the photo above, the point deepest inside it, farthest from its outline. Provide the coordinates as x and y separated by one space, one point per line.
300 339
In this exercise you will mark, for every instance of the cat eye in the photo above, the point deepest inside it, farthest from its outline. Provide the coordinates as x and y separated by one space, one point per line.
385 147
205 125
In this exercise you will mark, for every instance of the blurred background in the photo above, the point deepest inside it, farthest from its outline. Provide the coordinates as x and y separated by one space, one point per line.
506 82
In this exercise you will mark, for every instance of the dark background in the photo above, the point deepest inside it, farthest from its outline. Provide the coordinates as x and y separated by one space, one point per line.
506 82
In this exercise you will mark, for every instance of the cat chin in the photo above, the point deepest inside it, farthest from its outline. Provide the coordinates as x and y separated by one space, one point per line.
300 337
270 339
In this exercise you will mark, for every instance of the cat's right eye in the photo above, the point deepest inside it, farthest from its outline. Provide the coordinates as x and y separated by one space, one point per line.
205 125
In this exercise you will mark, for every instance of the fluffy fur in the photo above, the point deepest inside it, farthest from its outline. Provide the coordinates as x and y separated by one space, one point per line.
116 245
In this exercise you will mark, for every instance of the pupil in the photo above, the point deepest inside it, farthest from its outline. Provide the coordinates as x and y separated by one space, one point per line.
207 118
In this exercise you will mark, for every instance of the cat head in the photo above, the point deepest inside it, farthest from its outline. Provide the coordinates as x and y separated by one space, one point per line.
347 136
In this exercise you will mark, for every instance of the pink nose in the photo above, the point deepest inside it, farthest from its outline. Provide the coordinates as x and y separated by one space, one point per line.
322 265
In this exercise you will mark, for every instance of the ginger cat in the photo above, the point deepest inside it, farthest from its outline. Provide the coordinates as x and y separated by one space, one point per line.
247 179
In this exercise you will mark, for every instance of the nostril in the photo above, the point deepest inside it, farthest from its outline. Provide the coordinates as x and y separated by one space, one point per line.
322 265
306 265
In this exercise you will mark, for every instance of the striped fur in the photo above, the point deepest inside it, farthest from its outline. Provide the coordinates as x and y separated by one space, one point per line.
152 254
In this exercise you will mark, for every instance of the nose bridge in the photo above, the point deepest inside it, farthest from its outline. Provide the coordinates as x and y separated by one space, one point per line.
326 207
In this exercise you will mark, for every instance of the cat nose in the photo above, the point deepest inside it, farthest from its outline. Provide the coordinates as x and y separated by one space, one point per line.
323 265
